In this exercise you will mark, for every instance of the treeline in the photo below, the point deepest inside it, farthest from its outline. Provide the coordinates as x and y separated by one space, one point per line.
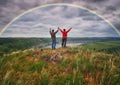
8 45
93 39
110 47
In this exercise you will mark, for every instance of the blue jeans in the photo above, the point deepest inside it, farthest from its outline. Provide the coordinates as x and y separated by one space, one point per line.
53 43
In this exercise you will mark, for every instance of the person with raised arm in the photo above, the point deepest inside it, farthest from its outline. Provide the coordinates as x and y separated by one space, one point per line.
53 37
64 36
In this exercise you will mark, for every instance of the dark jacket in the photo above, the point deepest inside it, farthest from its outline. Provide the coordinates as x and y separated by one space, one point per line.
53 34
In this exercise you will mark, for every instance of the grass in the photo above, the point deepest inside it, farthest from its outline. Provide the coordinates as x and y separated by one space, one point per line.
111 47
77 66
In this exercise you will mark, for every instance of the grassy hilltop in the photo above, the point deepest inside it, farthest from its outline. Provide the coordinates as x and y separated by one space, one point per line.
89 64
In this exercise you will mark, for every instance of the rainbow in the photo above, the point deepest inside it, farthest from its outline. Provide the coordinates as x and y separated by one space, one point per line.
59 4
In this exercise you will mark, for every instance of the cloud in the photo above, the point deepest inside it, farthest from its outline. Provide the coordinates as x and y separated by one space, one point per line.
109 9
38 22
3 2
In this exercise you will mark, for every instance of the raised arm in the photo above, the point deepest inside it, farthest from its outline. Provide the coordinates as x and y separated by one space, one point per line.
69 29
56 31
50 31
60 29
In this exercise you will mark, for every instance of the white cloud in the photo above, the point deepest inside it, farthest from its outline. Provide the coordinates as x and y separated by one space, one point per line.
9 9
38 22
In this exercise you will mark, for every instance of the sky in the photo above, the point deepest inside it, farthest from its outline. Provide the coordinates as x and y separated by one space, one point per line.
88 25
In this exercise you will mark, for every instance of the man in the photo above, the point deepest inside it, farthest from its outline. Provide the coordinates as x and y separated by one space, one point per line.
64 36
53 36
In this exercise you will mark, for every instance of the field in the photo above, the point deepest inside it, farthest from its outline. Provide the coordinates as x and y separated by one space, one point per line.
88 64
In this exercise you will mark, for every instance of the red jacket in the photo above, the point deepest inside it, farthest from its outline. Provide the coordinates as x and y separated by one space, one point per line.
64 33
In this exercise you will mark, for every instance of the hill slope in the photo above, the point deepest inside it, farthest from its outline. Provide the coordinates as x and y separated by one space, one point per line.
63 66
8 45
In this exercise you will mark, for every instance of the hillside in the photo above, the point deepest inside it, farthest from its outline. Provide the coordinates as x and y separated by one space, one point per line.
110 47
8 45
63 66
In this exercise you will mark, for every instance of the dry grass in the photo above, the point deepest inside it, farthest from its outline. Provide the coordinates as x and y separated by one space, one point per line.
63 66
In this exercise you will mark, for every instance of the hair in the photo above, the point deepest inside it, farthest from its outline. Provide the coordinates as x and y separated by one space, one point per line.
52 30
64 29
